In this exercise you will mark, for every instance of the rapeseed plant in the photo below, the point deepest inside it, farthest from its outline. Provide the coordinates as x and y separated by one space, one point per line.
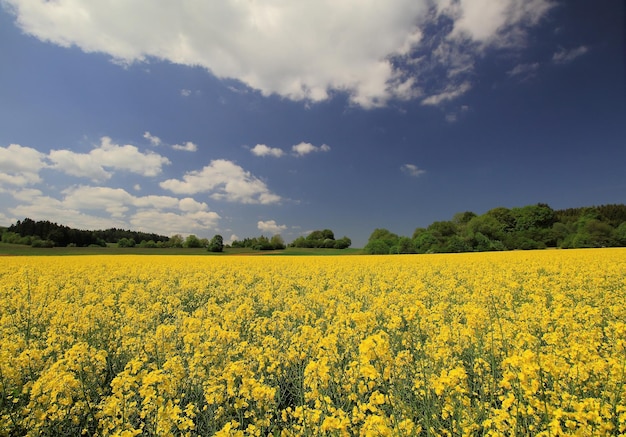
515 343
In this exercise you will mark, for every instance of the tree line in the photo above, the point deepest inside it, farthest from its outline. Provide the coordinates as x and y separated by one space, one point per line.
316 239
322 239
276 242
528 227
45 233
48 234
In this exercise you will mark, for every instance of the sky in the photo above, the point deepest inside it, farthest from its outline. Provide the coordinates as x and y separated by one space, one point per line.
247 118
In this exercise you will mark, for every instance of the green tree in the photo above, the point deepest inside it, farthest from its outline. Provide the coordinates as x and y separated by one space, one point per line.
315 236
192 242
456 244
504 216
619 235
126 242
216 244
462 218
426 242
328 243
176 241
376 247
263 243
328 234
417 232
343 243
384 235
533 216
277 242
442 229
405 245
487 225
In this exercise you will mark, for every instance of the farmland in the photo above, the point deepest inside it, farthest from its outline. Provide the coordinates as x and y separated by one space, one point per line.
512 343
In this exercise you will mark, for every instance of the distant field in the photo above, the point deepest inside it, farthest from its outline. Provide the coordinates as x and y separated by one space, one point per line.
21 250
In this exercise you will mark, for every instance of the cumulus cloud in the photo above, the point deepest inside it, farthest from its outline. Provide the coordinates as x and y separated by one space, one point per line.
185 92
78 164
494 22
154 140
306 50
270 227
263 150
224 180
94 207
115 201
100 162
173 223
20 166
189 204
564 56
187 147
36 205
302 149
412 170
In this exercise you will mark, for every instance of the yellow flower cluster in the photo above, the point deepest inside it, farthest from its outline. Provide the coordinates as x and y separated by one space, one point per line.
495 344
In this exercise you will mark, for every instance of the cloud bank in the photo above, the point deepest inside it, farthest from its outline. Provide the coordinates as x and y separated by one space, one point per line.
270 227
96 207
224 180
306 50
97 163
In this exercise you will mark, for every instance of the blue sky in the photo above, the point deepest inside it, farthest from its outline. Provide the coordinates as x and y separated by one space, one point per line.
249 118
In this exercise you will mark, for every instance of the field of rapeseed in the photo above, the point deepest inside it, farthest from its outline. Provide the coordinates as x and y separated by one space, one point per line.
514 343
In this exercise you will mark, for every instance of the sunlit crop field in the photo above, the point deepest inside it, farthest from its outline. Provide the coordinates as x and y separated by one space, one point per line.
516 343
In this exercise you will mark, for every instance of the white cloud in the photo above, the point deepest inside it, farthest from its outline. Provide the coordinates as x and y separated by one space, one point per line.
171 223
187 147
185 92
270 227
78 164
263 150
38 206
524 70
412 170
20 165
154 140
91 207
494 22
233 237
108 155
225 180
564 56
305 50
6 220
191 205
450 93
115 201
302 149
